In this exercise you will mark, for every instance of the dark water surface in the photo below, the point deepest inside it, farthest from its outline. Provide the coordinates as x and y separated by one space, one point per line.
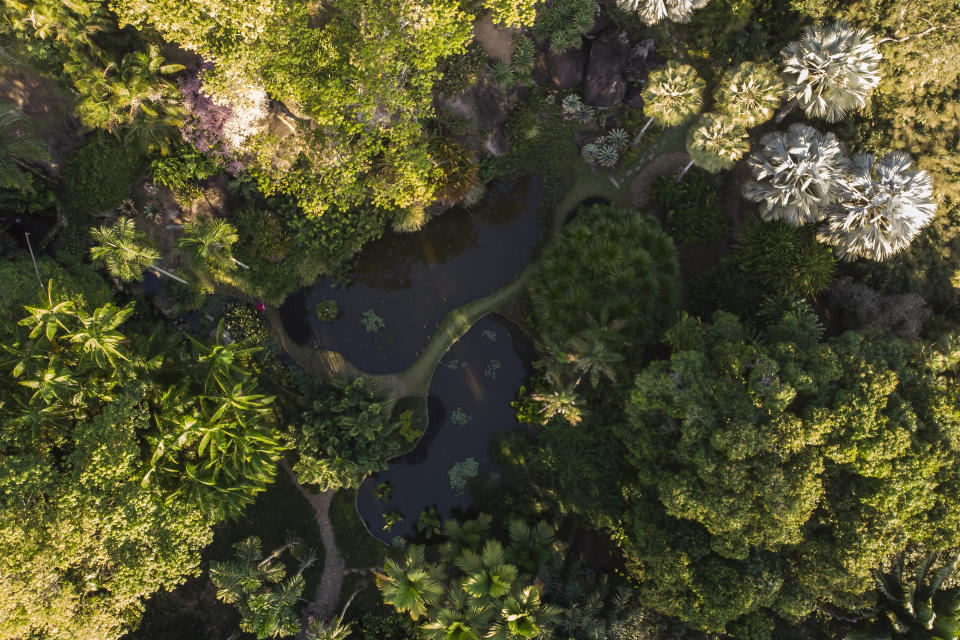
478 378
412 280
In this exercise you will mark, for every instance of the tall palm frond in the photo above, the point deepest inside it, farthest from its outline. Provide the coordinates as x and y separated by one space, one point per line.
831 70
524 616
530 546
673 94
124 251
411 586
881 207
209 244
796 174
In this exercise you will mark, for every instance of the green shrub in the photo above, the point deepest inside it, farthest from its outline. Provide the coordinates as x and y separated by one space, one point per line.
99 174
327 310
184 170
610 265
691 208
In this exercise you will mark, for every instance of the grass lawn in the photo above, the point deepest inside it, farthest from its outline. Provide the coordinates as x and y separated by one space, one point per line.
359 549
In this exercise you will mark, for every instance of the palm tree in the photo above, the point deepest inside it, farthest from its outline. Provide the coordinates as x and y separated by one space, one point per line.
558 401
489 577
412 586
914 607
209 243
795 174
831 70
715 144
673 96
524 616
750 94
125 252
98 337
530 546
462 617
50 319
591 356
468 535
221 362
17 150
881 207
331 629
131 97
653 11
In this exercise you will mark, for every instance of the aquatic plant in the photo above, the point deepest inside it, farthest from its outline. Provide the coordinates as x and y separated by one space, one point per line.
391 518
461 472
459 417
491 369
429 523
383 491
327 310
399 542
490 335
371 322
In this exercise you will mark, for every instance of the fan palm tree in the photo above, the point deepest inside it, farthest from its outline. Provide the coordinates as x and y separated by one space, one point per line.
17 150
125 252
489 577
831 70
591 356
673 96
412 586
209 243
796 174
462 617
749 94
467 535
881 207
715 144
530 546
524 616
653 11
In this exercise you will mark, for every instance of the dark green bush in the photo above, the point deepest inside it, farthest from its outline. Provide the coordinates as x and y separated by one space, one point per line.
691 208
98 175
327 310
184 170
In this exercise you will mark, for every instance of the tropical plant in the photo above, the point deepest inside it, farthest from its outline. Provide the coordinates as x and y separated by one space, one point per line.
673 96
412 586
558 401
524 616
590 354
208 244
831 70
749 93
654 11
345 435
530 546
260 589
796 174
131 98
429 524
562 23
715 143
461 536
880 209
461 473
691 208
17 149
124 251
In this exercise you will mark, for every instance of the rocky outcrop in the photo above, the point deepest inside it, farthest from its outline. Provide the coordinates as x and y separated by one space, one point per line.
604 83
566 69
484 106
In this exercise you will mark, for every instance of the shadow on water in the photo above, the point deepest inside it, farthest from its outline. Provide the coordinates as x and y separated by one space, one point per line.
477 378
411 281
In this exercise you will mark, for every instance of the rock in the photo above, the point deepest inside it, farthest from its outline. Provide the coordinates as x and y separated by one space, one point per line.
604 85
484 105
541 70
567 68
634 97
600 24
581 138
496 143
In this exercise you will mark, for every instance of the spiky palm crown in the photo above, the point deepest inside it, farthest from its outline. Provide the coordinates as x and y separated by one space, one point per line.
795 174
123 250
674 94
717 142
653 11
831 70
881 209
750 94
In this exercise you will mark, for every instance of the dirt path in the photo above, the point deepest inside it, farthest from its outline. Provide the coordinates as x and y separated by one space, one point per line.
325 600
495 41
640 187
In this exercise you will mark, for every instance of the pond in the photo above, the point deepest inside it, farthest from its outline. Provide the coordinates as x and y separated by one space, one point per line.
469 403
404 284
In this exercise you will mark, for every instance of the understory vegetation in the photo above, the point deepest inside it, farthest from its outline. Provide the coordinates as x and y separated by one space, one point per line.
737 316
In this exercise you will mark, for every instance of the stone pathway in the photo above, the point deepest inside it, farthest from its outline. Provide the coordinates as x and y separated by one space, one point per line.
662 165
334 569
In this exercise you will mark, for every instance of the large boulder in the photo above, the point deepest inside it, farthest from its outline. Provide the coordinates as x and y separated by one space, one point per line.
484 105
604 84
634 97
567 68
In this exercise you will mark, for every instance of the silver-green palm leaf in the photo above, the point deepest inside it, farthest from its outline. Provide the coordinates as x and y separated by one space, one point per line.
750 93
882 207
717 142
674 94
831 70
654 11
795 174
